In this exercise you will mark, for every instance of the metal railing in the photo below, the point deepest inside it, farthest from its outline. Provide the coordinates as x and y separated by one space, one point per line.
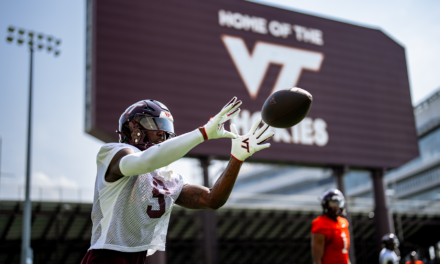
311 203
47 194
238 200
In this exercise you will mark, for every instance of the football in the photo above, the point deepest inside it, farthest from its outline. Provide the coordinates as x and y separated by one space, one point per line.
286 108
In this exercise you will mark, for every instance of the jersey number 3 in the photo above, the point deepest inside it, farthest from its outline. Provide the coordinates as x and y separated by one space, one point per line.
160 199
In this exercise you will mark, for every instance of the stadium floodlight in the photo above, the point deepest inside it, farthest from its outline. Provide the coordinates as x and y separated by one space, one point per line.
27 36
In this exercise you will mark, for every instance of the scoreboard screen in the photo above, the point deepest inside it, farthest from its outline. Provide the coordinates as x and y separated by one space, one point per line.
194 56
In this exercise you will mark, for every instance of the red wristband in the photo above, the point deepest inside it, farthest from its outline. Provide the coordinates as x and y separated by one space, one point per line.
203 131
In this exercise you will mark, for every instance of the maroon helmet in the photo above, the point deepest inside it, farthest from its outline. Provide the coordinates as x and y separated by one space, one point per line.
143 116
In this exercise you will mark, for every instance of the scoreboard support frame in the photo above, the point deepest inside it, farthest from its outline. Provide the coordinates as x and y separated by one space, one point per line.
381 213
209 220
339 173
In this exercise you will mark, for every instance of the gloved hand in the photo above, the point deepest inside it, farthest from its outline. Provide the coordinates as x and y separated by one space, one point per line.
215 127
246 145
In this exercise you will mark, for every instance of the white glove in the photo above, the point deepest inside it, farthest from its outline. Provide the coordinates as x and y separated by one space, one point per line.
246 145
215 127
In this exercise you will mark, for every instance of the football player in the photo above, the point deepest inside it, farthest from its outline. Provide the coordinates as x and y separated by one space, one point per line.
390 245
413 259
330 235
134 190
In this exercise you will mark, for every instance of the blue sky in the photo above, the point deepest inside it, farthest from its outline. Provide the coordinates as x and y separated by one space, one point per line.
64 155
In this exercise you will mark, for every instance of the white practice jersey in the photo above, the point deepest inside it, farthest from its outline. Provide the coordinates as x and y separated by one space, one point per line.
132 214
388 256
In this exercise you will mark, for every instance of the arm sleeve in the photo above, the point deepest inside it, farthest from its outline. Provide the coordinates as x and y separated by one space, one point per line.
160 155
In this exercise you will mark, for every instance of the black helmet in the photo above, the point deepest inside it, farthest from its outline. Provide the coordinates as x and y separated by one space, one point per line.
143 116
333 203
413 255
390 241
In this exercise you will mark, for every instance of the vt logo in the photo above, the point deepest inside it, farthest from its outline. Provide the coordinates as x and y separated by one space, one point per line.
252 66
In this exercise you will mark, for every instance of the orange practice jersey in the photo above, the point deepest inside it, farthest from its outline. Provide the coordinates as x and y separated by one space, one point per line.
337 238
417 262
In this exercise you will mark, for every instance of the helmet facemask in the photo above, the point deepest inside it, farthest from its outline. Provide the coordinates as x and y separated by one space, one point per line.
136 131
335 207
390 242
333 203
145 124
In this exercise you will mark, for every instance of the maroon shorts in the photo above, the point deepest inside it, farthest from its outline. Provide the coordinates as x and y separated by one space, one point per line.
106 256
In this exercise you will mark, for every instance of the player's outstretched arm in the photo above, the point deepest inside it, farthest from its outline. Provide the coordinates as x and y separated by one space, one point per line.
199 197
173 149
128 163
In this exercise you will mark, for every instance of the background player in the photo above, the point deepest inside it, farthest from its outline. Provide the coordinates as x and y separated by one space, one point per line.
135 192
330 235
413 259
390 245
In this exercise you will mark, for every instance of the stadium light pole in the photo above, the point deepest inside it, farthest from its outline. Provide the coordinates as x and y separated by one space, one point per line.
0 164
43 42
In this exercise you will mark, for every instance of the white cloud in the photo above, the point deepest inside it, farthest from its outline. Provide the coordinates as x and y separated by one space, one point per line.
40 179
